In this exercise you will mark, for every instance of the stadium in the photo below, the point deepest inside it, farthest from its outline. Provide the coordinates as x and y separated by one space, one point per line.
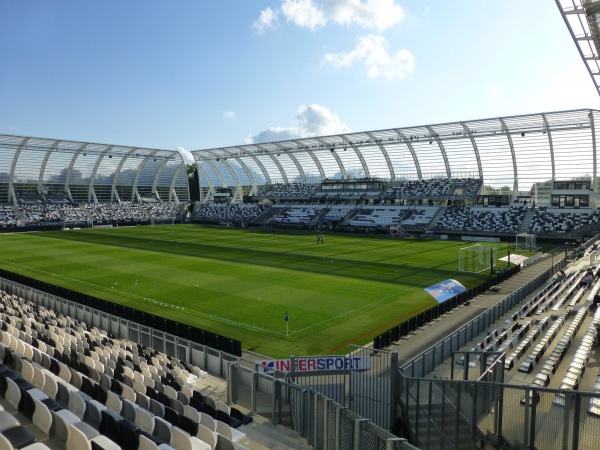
431 286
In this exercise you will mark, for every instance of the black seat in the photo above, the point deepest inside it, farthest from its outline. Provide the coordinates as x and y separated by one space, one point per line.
188 425
19 437
87 386
223 417
116 387
208 409
100 393
240 416
172 417
196 404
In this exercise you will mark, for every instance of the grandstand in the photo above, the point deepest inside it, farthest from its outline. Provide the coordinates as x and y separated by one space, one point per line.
509 364
556 205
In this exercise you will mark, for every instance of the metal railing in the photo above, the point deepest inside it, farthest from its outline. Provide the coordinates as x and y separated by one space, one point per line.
450 414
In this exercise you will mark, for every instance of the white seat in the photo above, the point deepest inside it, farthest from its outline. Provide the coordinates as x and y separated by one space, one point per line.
146 444
20 348
64 373
170 392
50 386
128 393
137 376
138 386
220 406
28 352
208 422
75 378
208 436
127 371
27 371
183 441
42 417
191 413
230 433
12 394
113 402
144 420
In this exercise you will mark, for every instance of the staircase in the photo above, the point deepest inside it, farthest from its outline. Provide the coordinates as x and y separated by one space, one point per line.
19 214
315 220
529 215
434 221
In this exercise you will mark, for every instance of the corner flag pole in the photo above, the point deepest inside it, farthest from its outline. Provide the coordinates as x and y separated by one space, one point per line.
287 324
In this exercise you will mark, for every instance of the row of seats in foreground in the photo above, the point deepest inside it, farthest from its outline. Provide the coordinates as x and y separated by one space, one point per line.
91 390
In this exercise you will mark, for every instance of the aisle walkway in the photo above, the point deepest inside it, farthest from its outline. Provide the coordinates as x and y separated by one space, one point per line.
414 344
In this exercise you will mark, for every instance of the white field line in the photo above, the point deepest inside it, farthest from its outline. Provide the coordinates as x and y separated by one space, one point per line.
215 317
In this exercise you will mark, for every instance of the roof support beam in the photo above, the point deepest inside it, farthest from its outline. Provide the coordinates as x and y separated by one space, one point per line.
469 133
514 158
402 136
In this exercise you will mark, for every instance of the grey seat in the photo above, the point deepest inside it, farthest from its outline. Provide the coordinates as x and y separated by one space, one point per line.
7 420
157 408
162 430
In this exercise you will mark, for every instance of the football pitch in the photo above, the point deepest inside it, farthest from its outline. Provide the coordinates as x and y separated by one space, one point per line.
241 282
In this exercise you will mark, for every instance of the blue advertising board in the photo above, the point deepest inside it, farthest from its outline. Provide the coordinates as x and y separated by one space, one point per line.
445 290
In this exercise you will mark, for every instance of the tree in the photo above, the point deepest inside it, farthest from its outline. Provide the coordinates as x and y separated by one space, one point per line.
193 181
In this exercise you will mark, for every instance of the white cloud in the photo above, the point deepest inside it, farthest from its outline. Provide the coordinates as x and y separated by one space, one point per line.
273 134
317 120
303 13
315 14
267 20
229 115
311 120
378 14
372 52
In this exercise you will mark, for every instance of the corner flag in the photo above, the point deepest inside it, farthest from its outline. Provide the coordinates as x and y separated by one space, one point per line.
287 324
286 316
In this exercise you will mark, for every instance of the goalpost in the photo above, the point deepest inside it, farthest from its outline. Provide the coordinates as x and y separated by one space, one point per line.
525 242
477 258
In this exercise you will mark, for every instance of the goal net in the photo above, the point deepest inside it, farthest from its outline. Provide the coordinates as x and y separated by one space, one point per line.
525 242
476 258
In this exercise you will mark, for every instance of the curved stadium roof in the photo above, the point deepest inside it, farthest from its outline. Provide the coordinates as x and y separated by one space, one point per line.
88 172
508 153
512 152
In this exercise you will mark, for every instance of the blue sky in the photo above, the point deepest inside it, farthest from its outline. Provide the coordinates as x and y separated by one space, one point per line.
200 74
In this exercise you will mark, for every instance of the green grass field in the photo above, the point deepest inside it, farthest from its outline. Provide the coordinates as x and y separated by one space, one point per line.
240 282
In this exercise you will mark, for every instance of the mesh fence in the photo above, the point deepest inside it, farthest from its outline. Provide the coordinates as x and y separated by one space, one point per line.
464 414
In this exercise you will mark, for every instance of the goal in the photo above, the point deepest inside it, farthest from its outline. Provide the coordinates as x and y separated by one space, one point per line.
477 258
525 242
